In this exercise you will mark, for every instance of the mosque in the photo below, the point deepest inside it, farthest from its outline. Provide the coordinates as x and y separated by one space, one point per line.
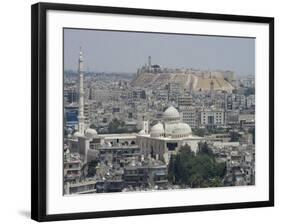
166 137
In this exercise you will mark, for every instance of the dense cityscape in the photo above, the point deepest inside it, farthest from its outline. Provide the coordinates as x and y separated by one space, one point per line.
157 129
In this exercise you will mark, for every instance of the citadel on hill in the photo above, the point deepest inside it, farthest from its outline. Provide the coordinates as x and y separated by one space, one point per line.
188 79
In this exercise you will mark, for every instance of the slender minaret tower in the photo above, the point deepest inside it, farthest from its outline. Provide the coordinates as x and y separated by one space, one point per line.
81 117
149 61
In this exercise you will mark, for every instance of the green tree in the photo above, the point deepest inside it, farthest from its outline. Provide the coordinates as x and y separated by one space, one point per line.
195 170
171 169
204 149
117 126
200 132
216 182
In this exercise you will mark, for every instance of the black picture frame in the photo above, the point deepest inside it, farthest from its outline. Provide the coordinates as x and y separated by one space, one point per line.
39 108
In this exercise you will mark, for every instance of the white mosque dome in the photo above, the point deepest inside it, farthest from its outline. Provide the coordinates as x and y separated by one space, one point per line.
77 134
157 130
171 114
142 132
91 133
182 129
177 130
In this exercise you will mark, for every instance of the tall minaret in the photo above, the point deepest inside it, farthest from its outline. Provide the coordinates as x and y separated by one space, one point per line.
81 117
149 61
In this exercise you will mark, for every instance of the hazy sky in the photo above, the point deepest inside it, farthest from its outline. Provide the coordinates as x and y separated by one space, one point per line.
113 51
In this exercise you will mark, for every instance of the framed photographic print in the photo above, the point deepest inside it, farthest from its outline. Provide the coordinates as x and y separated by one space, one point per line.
140 111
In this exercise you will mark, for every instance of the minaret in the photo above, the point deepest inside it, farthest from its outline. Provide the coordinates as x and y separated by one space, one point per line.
212 85
212 90
144 125
149 61
81 117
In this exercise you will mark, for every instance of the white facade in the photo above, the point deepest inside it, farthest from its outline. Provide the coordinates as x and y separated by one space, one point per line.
212 117
166 137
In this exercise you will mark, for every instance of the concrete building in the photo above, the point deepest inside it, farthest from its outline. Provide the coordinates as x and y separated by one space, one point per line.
82 187
70 93
250 101
173 91
189 116
150 173
185 101
72 167
232 117
163 94
212 117
247 120
119 155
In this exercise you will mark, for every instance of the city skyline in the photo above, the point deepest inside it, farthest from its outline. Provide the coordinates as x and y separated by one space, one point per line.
165 129
102 51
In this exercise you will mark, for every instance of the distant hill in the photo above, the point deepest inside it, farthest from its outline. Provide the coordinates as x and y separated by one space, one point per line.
198 81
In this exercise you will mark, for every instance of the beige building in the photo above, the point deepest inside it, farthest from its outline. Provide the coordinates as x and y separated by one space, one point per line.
212 117
189 116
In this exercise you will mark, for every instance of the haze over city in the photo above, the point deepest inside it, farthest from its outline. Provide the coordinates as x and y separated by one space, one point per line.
172 121
114 51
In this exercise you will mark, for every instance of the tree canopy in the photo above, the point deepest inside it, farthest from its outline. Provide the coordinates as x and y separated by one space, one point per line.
119 126
204 131
196 170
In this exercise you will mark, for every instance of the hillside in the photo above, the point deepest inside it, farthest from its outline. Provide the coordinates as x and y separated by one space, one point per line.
188 81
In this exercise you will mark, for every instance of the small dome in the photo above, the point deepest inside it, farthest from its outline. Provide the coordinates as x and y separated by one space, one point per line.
77 134
182 128
157 130
171 114
142 132
91 133
178 130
